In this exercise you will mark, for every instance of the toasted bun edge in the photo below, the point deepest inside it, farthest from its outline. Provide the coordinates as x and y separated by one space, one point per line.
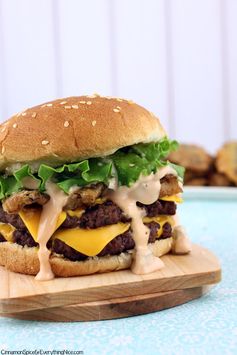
25 260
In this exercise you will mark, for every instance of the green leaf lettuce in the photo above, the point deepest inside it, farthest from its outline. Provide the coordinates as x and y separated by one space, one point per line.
130 162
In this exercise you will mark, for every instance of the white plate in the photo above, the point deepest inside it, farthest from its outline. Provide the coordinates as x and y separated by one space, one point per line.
210 193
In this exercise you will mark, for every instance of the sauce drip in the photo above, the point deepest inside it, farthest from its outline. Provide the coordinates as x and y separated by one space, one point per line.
48 219
145 190
29 183
181 243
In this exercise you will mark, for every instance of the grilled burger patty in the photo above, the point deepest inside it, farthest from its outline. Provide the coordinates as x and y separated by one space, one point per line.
109 213
121 243
95 216
13 219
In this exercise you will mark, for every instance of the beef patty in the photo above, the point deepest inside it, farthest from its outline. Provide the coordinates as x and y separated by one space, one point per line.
94 217
109 213
121 243
98 215
13 219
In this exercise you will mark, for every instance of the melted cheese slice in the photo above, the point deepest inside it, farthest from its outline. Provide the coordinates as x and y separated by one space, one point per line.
91 241
6 231
100 200
76 213
31 220
161 220
173 198
79 211
87 241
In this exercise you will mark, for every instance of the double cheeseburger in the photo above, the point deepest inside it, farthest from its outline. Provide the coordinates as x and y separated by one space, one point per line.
85 188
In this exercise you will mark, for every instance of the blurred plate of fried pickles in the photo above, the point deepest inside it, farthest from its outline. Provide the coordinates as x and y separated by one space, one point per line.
208 176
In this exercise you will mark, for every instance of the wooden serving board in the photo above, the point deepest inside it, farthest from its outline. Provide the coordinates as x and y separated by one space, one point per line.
23 294
115 308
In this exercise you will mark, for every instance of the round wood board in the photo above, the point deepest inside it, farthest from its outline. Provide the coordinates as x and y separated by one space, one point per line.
114 308
109 295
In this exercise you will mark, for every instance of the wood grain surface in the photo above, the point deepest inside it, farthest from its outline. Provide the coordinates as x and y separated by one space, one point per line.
114 308
22 293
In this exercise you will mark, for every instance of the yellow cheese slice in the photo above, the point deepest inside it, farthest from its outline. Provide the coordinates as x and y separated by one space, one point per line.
87 241
78 212
7 231
173 198
100 200
31 220
161 220
90 241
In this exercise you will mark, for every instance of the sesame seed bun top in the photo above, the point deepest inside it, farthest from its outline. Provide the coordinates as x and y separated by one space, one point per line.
75 128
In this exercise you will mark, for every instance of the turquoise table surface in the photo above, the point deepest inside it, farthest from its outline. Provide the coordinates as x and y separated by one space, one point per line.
204 326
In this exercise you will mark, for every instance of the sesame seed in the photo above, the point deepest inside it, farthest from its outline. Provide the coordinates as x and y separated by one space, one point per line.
45 142
34 114
49 105
3 150
130 102
116 110
66 124
3 129
91 96
93 123
118 99
23 114
75 106
89 103
82 102
119 107
43 105
63 102
15 125
67 107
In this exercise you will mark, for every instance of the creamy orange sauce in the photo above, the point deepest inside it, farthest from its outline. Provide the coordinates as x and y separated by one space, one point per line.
49 216
29 183
181 242
145 190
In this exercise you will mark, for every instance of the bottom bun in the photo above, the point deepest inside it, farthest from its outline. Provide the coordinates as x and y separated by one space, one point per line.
25 260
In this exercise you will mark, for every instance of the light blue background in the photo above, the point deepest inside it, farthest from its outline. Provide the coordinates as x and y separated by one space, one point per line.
204 326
